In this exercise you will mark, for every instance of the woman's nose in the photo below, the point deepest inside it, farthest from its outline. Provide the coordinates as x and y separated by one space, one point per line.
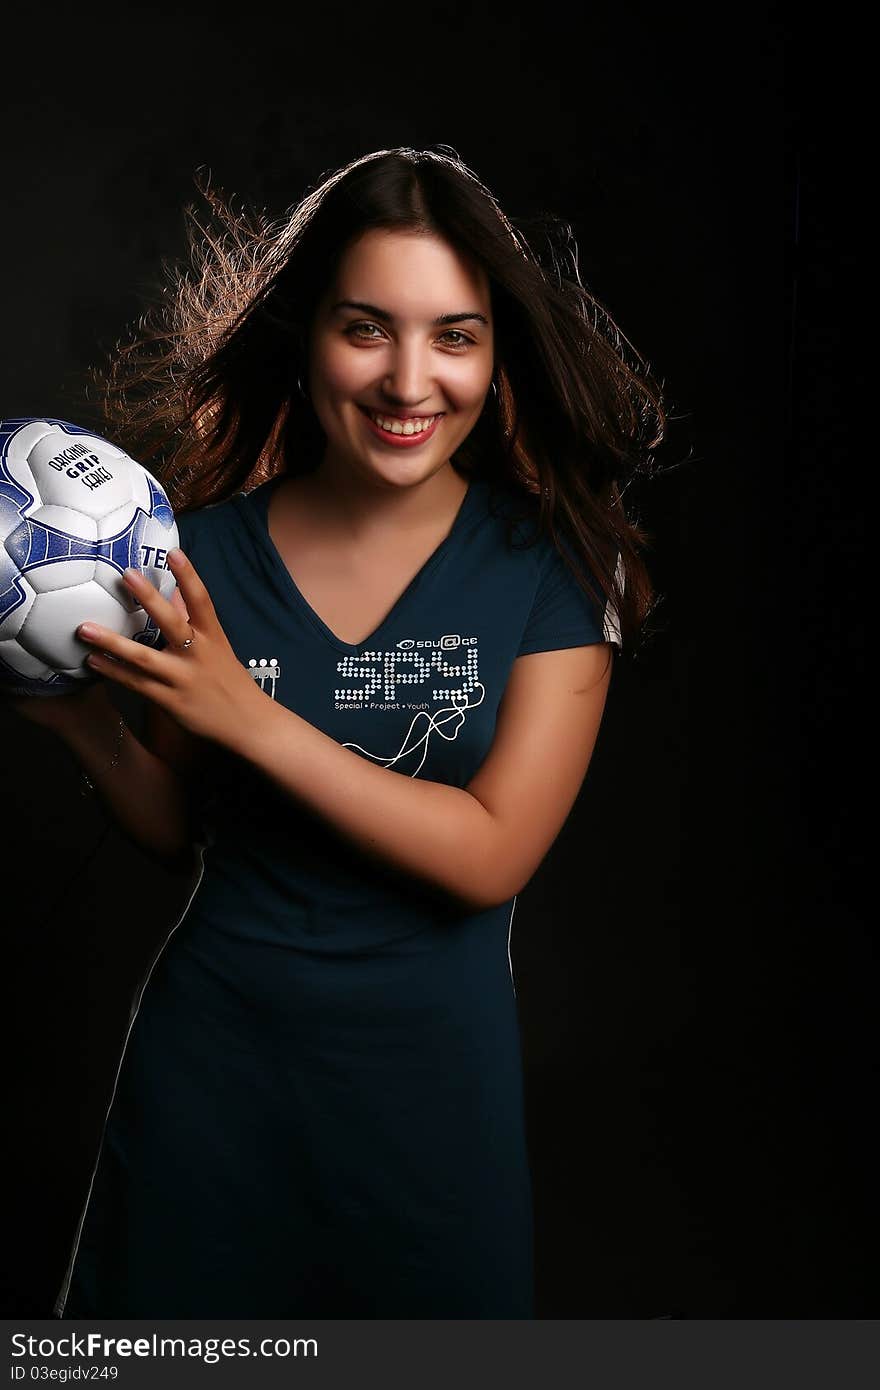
408 382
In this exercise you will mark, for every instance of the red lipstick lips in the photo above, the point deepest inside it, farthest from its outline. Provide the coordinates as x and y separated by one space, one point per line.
399 441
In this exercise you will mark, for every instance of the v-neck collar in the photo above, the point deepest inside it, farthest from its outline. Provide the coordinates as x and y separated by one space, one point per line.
254 506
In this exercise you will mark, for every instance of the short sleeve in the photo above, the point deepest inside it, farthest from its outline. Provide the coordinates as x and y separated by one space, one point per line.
563 615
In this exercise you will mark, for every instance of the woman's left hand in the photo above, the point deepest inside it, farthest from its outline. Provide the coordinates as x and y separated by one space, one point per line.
203 686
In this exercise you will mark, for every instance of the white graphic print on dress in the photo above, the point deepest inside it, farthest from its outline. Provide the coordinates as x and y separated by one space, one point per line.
265 670
424 668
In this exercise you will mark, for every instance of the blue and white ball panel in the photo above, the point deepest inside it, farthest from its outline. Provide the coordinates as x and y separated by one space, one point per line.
85 473
75 511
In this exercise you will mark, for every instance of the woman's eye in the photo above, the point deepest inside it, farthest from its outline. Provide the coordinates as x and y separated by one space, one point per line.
362 330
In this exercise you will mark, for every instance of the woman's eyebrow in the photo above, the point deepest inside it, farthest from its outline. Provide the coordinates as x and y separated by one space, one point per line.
377 313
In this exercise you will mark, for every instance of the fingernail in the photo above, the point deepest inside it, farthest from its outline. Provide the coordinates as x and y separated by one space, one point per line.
87 630
131 574
175 553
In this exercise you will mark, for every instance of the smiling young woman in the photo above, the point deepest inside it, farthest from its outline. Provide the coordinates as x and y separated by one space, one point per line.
398 446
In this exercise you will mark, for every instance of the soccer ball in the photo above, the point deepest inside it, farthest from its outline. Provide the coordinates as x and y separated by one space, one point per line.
75 511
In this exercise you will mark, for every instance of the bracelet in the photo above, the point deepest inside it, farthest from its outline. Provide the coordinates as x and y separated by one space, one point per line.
87 785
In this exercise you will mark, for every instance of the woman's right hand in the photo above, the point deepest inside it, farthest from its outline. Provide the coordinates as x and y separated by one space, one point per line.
65 714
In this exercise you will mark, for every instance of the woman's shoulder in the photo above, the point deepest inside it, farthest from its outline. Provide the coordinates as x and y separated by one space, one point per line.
517 514
204 520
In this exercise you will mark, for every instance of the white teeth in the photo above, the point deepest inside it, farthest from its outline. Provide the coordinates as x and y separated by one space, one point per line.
416 426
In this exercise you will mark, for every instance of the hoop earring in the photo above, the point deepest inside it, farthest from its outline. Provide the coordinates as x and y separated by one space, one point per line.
302 390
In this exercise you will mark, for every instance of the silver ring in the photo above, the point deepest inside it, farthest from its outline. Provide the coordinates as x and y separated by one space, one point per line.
189 641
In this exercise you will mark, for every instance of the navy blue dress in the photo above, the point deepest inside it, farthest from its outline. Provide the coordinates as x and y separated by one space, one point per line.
318 1109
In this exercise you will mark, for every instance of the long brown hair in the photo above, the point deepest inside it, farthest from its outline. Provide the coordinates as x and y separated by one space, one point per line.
205 393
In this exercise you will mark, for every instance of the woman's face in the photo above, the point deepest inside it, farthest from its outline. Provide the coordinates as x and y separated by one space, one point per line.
375 349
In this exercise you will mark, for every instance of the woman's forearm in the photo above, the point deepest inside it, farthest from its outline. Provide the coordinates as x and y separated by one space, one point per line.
148 800
439 833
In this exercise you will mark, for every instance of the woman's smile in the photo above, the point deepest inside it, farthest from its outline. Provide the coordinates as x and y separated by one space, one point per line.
400 432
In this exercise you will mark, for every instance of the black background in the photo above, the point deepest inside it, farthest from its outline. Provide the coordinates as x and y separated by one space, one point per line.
694 990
